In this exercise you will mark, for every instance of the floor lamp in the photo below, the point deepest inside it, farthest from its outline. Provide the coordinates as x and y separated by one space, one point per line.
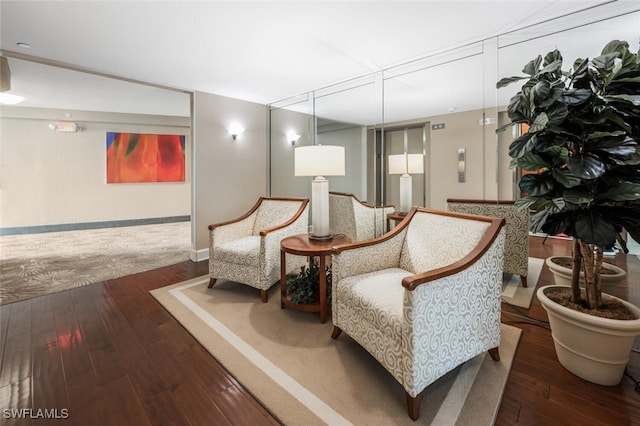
319 161
404 165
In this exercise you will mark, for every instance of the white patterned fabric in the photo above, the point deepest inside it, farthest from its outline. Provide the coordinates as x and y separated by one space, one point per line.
237 251
420 335
428 234
349 216
516 247
243 251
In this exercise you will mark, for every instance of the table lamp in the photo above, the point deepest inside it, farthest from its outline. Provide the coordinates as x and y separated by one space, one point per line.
319 161
404 164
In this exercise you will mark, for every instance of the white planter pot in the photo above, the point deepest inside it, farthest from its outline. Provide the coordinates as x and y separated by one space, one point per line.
593 348
562 275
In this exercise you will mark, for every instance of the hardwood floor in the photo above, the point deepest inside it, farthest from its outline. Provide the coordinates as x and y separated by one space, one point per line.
109 354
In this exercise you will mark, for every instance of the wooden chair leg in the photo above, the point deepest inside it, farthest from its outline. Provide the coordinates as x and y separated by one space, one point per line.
523 279
413 406
212 281
264 295
495 354
336 332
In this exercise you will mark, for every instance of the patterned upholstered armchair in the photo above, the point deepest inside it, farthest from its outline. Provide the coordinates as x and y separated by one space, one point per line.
424 297
516 246
247 249
355 219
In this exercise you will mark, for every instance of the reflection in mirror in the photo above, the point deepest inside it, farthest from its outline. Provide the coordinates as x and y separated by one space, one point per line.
451 98
436 104
580 35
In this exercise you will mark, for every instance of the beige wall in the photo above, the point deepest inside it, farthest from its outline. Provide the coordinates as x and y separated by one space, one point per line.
462 130
51 178
229 175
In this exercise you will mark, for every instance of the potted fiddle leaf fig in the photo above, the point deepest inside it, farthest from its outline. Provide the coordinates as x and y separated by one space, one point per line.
582 145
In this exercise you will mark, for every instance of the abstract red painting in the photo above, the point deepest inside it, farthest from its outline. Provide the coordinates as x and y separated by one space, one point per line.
140 157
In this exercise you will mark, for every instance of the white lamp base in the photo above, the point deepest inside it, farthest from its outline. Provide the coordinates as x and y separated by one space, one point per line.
320 209
406 192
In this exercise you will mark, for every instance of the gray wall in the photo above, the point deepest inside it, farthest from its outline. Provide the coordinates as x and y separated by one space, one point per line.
229 175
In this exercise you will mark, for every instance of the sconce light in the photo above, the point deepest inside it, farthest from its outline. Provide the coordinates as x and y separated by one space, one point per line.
403 164
5 75
65 127
292 137
462 153
235 130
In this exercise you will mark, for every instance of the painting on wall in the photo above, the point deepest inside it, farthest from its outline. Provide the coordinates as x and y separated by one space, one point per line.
139 157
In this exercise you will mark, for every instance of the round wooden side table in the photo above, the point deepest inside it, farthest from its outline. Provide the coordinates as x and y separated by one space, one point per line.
301 245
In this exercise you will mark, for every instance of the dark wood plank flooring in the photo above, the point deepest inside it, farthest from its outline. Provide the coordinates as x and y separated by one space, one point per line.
111 355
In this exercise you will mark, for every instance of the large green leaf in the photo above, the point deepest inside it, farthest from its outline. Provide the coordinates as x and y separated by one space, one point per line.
536 185
556 113
594 229
555 205
615 46
574 97
559 153
532 66
624 191
532 162
508 80
522 145
558 223
552 66
538 219
518 111
576 196
539 123
635 79
586 166
634 99
605 63
566 178
524 203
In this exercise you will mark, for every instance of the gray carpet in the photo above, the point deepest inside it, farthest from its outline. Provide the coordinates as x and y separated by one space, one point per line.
37 264
289 362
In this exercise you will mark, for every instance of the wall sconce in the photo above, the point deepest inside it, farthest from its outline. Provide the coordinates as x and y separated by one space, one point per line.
65 127
462 153
5 75
292 137
404 164
235 130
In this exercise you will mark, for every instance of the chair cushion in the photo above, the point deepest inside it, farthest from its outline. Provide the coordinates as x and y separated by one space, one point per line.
376 298
243 251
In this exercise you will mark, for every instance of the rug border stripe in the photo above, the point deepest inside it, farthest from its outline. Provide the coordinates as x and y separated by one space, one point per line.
293 387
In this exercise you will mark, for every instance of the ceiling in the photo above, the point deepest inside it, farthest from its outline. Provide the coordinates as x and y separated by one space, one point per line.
261 51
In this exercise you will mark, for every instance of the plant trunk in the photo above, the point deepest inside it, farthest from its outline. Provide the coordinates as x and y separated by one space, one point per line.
589 256
575 272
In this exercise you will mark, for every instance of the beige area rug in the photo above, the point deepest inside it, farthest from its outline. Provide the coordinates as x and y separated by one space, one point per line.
289 362
37 264
512 291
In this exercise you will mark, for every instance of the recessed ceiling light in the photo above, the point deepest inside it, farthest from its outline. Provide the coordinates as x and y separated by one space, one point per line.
8 99
23 45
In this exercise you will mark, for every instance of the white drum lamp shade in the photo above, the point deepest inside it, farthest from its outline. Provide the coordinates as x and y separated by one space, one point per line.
404 165
319 161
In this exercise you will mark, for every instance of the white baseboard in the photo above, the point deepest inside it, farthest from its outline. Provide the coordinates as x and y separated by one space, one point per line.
198 255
